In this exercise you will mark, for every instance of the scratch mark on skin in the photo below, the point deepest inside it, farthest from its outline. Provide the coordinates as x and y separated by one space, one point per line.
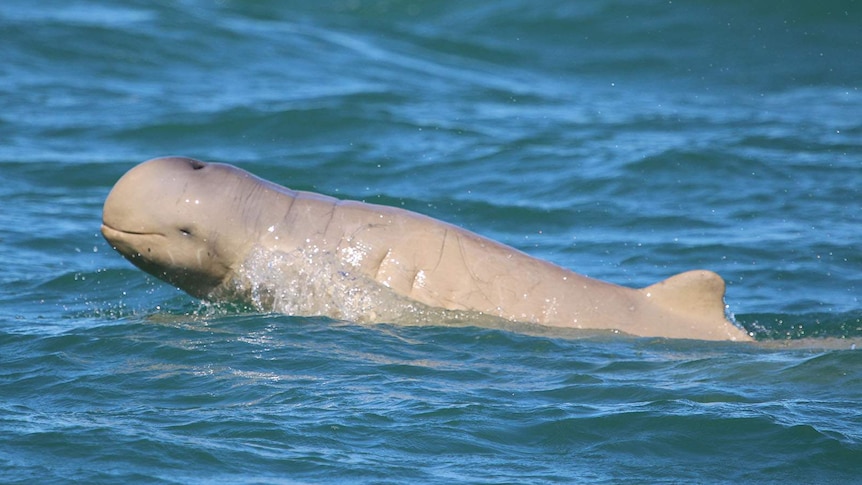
442 249
464 257
481 287
247 200
287 213
329 220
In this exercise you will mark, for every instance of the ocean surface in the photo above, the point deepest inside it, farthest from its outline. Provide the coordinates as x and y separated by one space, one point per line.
625 140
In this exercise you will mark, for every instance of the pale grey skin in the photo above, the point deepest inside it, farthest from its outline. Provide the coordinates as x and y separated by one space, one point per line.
193 224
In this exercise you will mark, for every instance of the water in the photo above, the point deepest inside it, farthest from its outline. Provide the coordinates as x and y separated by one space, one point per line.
627 141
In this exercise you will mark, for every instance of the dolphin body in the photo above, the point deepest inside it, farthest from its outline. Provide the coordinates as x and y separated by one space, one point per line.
221 233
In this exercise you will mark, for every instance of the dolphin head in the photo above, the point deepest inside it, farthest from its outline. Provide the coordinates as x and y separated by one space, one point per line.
182 220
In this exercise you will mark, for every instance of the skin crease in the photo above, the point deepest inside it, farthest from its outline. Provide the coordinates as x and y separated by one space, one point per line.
194 224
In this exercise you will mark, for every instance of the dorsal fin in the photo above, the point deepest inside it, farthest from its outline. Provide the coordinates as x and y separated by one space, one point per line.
698 293
697 299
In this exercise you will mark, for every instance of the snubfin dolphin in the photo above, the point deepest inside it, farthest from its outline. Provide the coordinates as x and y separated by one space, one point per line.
219 232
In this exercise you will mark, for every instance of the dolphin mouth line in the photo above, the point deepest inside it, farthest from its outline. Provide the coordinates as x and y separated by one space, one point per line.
133 233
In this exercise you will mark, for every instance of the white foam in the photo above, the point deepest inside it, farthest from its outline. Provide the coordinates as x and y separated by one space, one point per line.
316 282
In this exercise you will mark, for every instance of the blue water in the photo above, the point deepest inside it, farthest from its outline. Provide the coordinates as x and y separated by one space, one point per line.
628 141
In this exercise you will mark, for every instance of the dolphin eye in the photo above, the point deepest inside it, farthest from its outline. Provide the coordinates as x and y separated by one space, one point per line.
185 231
